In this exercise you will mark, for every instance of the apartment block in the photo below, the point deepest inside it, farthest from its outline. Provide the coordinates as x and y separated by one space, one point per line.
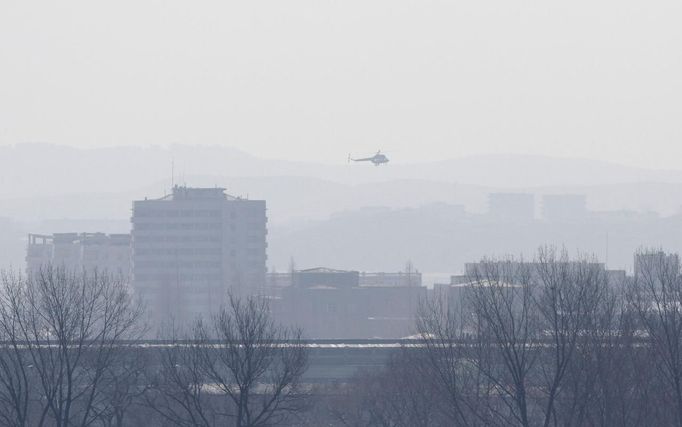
192 246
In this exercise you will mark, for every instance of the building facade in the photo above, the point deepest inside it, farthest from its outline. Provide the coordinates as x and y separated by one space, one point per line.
334 304
192 246
651 265
104 253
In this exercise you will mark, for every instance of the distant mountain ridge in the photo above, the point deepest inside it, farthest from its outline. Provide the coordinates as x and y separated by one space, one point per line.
319 213
29 170
299 199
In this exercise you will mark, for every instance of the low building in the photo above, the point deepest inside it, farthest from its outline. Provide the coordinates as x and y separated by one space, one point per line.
321 276
655 264
407 278
275 282
333 304
511 273
110 253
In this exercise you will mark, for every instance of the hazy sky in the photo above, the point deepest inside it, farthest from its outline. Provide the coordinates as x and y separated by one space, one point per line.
316 79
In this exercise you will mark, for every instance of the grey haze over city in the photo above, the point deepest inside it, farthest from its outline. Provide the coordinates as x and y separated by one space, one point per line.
340 213
319 213
315 80
466 99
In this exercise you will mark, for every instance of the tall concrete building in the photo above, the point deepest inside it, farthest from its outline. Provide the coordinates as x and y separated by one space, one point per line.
193 245
101 252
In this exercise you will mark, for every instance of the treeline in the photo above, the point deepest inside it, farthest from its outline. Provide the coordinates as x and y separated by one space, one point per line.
71 355
550 342
553 342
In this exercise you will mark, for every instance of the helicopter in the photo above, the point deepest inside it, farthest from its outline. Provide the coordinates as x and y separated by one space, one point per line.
377 159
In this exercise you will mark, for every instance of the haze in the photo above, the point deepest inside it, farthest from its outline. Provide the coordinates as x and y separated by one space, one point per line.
332 213
314 80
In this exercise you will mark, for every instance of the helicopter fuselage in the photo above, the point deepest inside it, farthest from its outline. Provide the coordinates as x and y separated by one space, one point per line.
377 159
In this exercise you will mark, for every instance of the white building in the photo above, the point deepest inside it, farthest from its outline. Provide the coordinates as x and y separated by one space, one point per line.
193 245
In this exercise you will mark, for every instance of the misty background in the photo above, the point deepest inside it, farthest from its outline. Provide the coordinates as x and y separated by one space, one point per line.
432 213
268 99
314 80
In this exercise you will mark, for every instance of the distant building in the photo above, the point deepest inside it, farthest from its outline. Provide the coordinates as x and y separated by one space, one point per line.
564 207
454 293
101 252
459 279
511 206
330 303
402 278
655 263
39 251
508 270
321 276
617 278
193 245
277 283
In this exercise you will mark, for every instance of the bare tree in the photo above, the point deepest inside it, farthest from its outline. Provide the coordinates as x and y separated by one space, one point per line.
447 360
396 395
568 297
550 342
178 390
70 327
124 386
609 381
240 366
507 333
15 365
504 350
656 297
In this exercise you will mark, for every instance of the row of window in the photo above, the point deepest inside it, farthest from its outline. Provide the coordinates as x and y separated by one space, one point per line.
250 251
178 278
189 264
142 239
194 227
178 251
202 213
178 226
148 279
251 241
177 264
196 213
